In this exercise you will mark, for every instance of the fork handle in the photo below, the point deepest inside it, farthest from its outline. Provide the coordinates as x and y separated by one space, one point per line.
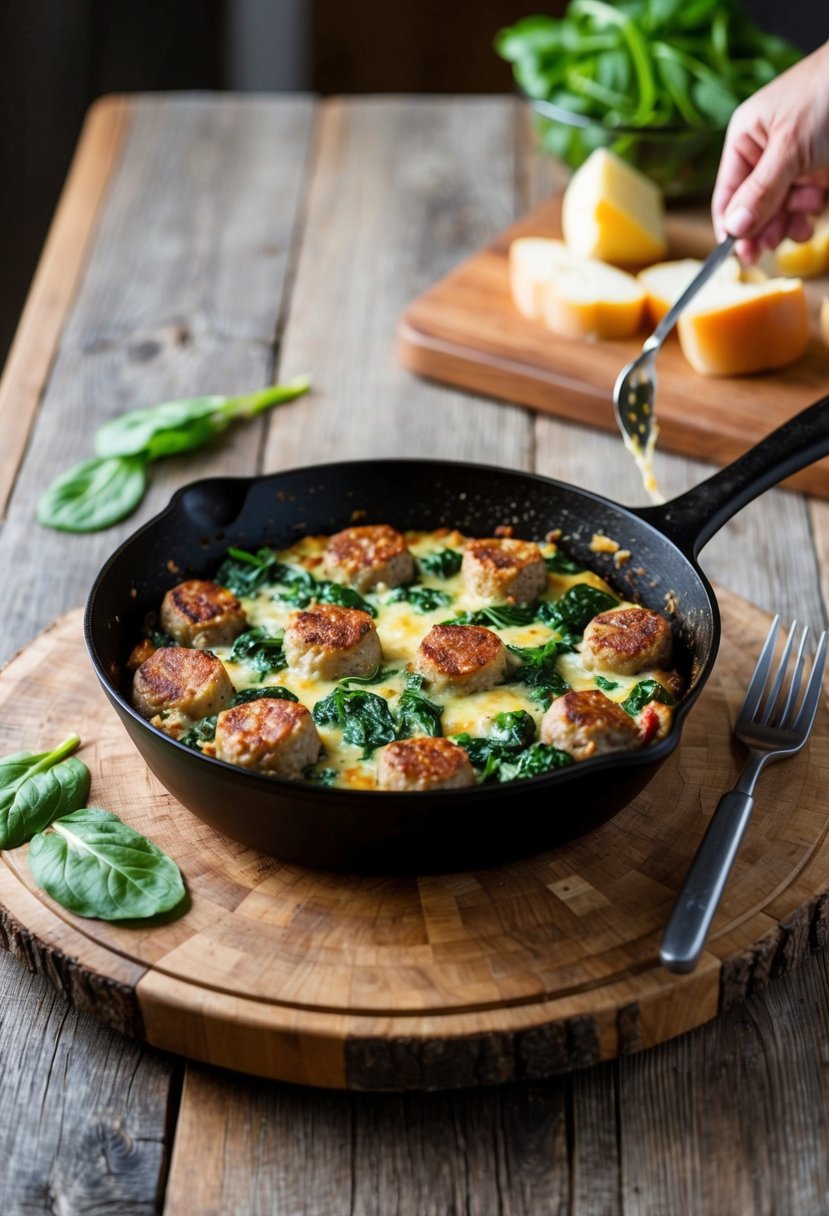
690 920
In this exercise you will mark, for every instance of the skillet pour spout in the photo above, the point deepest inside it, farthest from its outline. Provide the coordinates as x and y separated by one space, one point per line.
386 831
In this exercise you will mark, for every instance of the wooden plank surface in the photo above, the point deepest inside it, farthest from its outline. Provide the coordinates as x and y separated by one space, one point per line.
602 1141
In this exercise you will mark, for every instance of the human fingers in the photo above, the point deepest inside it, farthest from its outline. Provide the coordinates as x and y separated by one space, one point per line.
762 195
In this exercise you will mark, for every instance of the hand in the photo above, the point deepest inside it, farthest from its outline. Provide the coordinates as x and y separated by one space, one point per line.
774 170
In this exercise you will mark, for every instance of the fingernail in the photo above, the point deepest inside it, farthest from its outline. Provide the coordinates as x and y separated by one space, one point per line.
740 221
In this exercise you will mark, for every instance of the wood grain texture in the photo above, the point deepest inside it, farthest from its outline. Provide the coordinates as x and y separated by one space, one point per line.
413 185
519 971
466 331
83 1111
183 294
56 281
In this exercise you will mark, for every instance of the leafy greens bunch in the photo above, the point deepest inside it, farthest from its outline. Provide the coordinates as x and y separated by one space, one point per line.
86 858
99 492
654 64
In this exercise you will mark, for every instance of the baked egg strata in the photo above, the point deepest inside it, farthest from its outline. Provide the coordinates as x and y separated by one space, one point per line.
376 660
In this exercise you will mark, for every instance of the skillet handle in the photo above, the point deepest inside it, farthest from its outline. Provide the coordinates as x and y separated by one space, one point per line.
691 519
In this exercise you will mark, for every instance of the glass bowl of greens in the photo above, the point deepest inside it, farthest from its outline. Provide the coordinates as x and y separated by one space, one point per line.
655 81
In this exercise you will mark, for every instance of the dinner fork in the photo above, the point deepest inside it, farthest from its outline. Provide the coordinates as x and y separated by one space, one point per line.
772 725
635 389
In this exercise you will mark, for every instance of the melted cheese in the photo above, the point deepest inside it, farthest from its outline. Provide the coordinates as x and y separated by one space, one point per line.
401 628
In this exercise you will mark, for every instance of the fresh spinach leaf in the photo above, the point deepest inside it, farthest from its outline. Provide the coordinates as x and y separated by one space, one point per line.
443 563
643 693
260 650
180 426
93 494
98 493
424 599
365 717
416 714
93 864
29 797
31 804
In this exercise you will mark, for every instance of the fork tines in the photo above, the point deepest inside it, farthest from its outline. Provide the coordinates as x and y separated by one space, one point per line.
772 702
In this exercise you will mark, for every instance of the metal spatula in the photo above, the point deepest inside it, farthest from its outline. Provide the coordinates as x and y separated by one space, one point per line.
635 388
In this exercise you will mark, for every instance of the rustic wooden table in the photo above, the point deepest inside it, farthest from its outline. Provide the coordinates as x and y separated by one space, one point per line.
209 244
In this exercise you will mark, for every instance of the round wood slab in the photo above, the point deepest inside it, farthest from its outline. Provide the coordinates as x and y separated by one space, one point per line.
523 970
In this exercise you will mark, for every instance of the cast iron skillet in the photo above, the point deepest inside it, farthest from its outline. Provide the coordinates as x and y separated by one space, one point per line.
381 830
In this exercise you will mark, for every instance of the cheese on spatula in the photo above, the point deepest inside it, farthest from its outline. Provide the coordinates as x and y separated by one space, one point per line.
612 212
740 328
573 295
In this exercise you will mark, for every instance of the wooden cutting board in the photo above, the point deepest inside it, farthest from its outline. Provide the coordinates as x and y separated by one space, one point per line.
466 331
522 970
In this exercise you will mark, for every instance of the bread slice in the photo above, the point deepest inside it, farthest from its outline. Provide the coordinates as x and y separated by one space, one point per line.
573 295
664 282
740 328
808 259
612 212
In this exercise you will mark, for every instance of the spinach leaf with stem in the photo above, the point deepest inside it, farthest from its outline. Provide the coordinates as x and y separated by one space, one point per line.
246 573
35 788
98 493
180 426
93 864
537 671
501 616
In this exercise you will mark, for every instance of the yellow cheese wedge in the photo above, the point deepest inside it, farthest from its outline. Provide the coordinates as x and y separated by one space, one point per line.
612 212
808 259
746 327
824 319
573 295
665 282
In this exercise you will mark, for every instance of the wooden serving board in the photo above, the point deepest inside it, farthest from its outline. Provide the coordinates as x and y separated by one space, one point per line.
466 331
521 970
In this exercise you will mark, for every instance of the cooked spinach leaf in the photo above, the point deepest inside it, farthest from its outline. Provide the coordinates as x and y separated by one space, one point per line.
442 563
501 616
424 599
508 753
272 692
607 685
203 731
513 728
320 776
416 714
571 614
246 573
93 864
560 563
643 693
365 717
537 670
299 587
378 676
260 650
